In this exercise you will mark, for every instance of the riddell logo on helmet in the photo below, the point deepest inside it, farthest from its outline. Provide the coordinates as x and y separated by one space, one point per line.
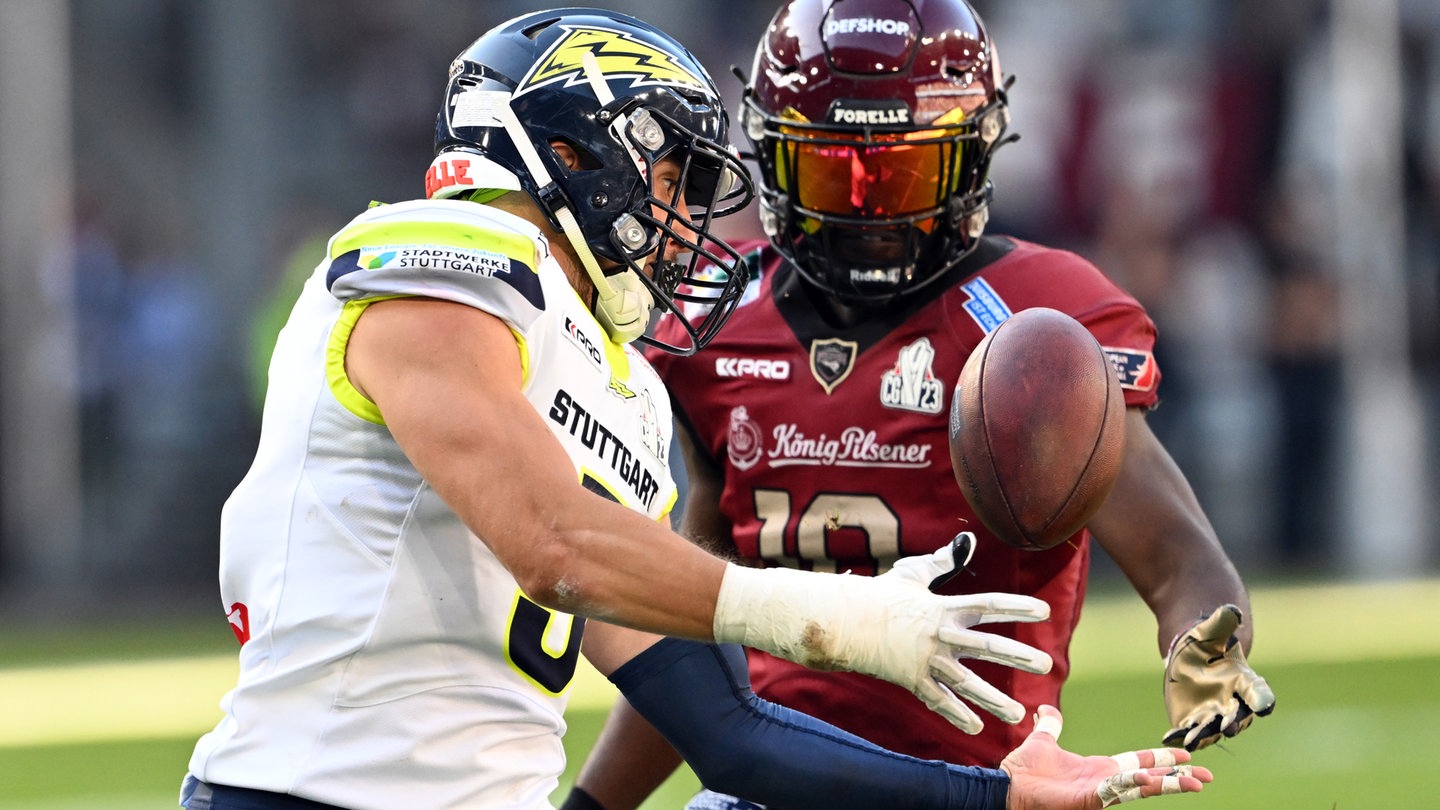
867 25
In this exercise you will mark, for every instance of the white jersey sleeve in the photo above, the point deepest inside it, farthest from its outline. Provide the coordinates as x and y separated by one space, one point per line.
454 251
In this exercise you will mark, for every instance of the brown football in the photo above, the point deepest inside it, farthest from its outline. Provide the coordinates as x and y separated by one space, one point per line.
1037 428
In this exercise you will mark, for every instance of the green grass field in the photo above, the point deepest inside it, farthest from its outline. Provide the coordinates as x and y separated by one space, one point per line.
106 718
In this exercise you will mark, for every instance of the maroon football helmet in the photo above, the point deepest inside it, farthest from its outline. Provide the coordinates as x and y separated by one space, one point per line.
873 123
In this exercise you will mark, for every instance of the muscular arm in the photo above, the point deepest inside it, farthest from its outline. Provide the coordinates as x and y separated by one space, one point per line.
631 759
1154 528
447 379
737 741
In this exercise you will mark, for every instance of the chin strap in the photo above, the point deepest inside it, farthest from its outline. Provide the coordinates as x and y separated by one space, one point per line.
622 302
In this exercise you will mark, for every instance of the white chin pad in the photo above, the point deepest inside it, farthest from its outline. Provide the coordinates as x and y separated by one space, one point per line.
624 308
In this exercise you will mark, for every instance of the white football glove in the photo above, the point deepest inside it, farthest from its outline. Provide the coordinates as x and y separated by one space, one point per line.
1210 690
890 626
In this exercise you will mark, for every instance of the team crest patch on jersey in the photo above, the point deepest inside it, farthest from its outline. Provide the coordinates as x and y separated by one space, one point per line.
1136 370
831 361
985 305
745 443
652 433
619 56
911 384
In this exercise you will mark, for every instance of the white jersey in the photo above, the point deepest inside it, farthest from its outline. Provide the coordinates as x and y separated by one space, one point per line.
389 659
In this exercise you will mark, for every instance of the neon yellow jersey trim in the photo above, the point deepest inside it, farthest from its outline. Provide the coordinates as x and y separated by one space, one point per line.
524 347
619 360
664 518
340 385
345 391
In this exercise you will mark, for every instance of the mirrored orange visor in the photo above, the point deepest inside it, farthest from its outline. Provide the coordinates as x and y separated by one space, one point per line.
888 175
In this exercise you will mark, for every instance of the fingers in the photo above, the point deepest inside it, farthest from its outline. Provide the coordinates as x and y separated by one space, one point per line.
1256 694
975 689
1048 721
1204 735
1196 736
1209 723
1210 690
1220 625
1236 719
1196 729
944 703
1241 723
1144 783
958 643
1213 635
938 566
985 608
1120 788
960 550
1151 758
1269 705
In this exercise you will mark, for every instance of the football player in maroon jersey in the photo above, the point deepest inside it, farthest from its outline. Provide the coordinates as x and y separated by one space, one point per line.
815 428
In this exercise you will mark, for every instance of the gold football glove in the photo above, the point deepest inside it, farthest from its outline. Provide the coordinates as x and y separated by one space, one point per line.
1210 690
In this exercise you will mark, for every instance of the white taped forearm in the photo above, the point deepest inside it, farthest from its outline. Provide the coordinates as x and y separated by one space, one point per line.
824 621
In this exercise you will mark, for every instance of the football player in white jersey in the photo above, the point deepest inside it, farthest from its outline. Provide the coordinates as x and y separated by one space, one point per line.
463 457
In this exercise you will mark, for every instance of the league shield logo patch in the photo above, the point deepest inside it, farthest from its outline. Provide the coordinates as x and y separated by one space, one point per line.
1136 369
831 361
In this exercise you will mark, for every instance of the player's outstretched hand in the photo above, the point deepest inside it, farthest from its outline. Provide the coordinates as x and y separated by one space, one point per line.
948 678
890 626
1044 775
1210 690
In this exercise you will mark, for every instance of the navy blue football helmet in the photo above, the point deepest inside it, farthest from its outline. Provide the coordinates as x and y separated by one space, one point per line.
623 96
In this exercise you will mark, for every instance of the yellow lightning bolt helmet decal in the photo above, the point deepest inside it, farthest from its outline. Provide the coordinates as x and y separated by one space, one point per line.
619 55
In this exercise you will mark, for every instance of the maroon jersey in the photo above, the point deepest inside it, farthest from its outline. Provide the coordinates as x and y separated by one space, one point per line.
834 449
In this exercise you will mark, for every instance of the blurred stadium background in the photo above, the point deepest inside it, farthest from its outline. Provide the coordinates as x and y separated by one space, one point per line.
1264 177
